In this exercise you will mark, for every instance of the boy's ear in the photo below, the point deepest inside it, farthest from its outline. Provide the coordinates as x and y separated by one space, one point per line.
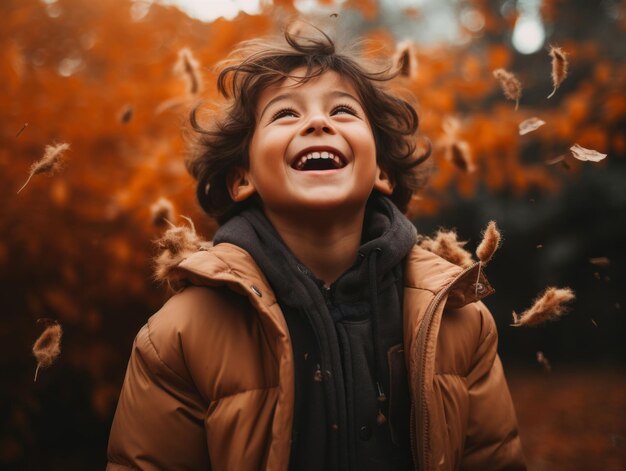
240 187
383 183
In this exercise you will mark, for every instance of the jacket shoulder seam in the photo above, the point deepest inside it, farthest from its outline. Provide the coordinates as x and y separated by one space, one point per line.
156 352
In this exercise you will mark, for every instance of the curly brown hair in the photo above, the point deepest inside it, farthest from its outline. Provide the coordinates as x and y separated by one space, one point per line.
260 63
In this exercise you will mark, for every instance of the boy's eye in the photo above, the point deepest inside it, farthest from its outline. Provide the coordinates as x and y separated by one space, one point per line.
284 113
344 109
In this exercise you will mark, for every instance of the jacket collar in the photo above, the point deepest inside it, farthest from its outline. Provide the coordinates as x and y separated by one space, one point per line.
226 264
428 271
229 264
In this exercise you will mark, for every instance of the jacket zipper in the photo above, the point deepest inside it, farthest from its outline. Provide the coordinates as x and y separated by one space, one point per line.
422 462
328 295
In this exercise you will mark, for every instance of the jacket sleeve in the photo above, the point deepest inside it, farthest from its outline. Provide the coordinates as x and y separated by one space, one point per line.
492 440
159 421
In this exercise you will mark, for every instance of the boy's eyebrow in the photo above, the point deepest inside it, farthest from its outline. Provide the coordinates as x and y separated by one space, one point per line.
283 96
339 93
286 96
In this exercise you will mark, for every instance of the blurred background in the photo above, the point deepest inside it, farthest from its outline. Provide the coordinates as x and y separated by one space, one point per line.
115 80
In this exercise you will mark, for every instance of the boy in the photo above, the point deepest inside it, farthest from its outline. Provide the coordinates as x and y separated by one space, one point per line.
314 334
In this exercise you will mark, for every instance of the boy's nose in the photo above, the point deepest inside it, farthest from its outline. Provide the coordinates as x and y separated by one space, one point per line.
318 124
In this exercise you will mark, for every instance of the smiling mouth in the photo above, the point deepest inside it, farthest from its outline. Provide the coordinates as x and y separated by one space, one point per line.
322 160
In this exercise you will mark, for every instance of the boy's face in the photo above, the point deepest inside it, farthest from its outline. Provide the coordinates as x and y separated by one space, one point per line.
312 148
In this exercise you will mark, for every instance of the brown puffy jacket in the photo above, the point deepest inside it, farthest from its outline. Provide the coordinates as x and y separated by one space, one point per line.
210 382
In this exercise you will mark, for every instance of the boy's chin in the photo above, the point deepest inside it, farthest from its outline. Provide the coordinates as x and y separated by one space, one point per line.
327 207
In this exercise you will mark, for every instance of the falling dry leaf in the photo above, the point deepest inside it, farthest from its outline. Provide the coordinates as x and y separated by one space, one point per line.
559 67
405 59
548 306
170 104
455 149
600 261
510 84
530 125
489 244
460 155
555 160
47 347
447 246
126 114
584 154
162 212
49 163
187 66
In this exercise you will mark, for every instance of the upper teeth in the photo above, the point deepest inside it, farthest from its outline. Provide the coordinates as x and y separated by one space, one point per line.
317 155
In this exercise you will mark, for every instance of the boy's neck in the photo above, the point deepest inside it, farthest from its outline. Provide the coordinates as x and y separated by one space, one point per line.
327 246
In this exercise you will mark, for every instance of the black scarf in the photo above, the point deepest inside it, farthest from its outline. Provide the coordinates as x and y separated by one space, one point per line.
387 237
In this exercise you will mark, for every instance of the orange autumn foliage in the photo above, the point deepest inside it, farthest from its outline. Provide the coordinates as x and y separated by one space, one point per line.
101 76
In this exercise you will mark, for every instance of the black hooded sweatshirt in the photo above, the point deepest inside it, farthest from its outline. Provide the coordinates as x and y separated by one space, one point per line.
351 406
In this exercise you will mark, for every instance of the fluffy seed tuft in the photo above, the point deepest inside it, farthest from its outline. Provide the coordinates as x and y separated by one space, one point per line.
489 244
405 59
447 246
456 149
550 305
162 212
176 244
47 347
559 67
511 86
50 163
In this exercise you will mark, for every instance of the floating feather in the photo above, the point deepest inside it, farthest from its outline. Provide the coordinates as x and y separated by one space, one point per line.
486 248
489 244
405 59
162 212
600 261
550 305
447 246
51 162
176 244
559 67
47 347
510 84
188 67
